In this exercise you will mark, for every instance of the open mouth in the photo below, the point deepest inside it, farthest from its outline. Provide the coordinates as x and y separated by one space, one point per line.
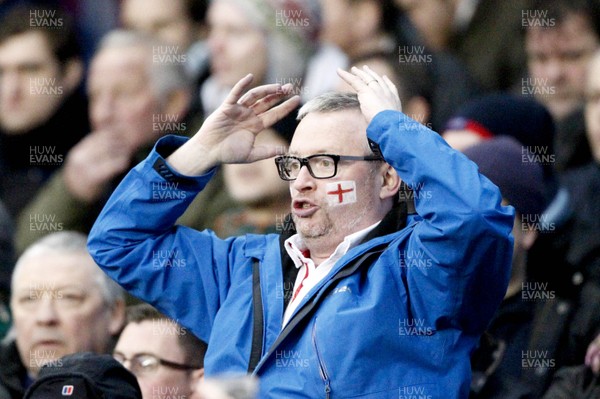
303 208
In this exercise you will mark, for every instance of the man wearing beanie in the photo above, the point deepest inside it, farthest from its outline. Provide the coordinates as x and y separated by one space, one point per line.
503 367
501 115
85 376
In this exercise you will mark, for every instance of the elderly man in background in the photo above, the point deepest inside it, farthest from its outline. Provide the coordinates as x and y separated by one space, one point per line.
61 303
137 94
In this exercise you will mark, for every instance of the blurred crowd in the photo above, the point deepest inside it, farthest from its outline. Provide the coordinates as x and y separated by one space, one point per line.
87 87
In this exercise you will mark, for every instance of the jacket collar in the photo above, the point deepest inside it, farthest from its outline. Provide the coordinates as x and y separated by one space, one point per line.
393 221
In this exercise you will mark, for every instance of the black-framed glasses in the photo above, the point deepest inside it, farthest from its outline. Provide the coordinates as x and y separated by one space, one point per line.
320 166
146 363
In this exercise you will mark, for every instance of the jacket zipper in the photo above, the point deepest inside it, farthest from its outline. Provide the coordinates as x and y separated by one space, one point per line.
322 369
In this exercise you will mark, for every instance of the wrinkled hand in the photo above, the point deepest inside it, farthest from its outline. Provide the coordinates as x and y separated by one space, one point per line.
93 163
228 134
592 356
375 93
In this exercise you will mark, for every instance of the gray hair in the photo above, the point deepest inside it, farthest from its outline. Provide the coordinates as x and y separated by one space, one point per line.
334 101
165 76
329 102
71 242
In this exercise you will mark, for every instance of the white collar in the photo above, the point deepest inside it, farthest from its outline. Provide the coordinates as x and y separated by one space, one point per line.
299 253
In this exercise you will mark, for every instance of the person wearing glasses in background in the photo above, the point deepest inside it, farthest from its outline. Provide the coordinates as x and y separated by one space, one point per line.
356 297
166 359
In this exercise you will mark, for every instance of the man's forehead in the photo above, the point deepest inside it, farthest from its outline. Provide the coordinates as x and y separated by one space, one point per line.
148 336
52 265
328 131
123 57
129 67
569 32
27 47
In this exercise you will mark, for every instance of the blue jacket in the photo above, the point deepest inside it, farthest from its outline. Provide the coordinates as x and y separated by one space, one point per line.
399 324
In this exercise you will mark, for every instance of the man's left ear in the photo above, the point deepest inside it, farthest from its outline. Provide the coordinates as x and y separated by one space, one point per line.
390 183
117 317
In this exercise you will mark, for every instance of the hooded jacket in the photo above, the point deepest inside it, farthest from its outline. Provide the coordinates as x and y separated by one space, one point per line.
397 316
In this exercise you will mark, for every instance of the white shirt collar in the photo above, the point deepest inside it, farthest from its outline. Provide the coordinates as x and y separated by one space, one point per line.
297 250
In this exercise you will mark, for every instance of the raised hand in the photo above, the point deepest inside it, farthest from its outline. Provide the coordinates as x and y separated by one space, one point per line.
228 134
375 93
91 165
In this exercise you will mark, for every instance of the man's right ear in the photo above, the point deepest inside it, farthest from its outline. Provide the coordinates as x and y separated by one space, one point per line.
391 182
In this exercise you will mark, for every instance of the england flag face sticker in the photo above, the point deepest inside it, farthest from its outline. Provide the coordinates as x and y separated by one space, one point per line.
341 192
67 390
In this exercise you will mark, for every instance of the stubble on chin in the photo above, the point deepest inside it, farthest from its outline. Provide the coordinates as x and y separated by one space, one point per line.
311 230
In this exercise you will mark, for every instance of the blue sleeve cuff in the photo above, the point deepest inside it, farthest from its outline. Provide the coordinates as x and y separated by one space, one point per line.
157 158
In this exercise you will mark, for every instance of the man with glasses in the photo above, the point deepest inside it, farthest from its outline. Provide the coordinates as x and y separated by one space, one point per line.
355 297
166 358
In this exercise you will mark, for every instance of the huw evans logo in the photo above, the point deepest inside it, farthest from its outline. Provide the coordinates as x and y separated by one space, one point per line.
536 18
290 18
45 19
414 327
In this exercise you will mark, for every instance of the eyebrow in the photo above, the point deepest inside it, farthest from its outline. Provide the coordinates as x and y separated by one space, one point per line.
321 151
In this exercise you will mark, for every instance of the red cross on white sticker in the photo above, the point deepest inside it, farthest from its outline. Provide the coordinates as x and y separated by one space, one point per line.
341 192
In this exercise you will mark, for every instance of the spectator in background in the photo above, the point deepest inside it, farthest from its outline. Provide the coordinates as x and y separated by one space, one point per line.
43 112
359 28
484 35
166 358
179 23
85 376
61 303
133 101
452 84
559 45
501 114
273 41
532 125
432 20
413 83
583 252
498 361
584 184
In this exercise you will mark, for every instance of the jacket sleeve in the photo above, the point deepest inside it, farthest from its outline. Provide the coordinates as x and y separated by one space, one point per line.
182 272
463 238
